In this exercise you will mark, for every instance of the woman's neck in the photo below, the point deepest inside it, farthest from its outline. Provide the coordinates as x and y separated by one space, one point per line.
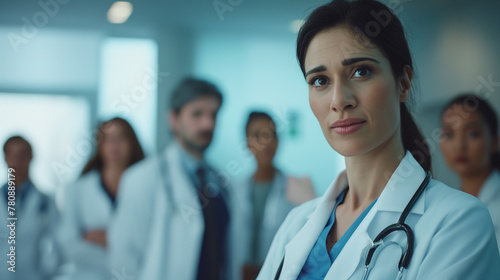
368 174
472 183
264 173
111 175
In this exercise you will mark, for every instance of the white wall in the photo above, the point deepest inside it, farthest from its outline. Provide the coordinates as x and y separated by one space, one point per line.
51 60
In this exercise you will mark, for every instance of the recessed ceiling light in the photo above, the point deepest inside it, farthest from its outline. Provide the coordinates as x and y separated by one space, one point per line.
120 11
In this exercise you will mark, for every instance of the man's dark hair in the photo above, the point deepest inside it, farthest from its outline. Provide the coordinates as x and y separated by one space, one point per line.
15 139
191 89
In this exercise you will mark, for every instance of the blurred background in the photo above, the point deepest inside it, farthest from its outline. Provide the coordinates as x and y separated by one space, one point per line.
67 64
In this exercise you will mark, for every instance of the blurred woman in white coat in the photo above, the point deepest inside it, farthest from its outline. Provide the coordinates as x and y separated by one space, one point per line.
90 202
469 142
384 217
264 199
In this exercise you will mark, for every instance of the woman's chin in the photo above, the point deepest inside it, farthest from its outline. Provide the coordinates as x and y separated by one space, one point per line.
349 149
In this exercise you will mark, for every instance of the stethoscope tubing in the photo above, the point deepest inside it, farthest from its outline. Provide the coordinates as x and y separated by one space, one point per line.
399 226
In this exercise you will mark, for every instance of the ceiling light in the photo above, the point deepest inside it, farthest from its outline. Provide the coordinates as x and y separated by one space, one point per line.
120 11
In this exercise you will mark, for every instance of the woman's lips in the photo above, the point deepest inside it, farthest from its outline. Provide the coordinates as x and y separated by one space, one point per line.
461 159
348 128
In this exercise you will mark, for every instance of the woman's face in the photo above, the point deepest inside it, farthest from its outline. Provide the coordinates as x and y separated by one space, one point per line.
466 141
350 80
115 146
262 140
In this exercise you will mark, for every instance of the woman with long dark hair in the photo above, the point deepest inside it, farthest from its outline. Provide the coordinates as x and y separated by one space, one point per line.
469 143
383 217
89 203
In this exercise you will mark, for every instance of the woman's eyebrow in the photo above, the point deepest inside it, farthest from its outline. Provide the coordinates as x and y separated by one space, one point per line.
345 62
320 68
353 60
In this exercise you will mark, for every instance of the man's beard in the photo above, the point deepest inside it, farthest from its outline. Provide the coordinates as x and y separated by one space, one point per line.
194 146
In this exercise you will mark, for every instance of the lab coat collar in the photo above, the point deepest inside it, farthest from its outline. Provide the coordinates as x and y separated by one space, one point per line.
400 188
190 163
297 250
398 191
491 189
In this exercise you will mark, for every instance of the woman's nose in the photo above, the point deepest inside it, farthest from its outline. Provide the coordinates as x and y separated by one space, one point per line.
342 98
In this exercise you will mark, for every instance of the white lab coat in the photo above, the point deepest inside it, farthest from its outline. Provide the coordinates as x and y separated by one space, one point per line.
490 196
454 237
158 229
277 207
36 218
87 207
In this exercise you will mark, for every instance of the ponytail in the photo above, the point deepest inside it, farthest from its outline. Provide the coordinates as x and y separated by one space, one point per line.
413 140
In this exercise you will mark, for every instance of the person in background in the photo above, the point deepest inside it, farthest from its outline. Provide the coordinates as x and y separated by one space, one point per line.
36 215
90 202
264 199
173 215
469 143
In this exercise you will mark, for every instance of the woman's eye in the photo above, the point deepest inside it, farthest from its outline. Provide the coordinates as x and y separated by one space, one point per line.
319 82
474 134
362 72
446 135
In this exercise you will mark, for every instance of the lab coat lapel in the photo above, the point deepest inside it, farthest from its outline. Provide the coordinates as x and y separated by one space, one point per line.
398 191
298 249
491 188
186 226
402 185
184 192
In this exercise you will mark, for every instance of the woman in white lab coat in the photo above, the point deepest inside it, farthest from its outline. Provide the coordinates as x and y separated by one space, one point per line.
264 199
89 203
357 63
469 142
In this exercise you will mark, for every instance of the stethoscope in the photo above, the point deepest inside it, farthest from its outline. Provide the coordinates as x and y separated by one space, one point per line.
399 226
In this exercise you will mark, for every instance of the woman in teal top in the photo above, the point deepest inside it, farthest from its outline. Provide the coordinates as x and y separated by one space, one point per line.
357 63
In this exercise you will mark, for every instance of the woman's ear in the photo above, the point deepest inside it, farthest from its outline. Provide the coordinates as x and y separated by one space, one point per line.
405 83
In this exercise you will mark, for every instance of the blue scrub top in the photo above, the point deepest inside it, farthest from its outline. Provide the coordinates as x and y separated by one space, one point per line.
319 261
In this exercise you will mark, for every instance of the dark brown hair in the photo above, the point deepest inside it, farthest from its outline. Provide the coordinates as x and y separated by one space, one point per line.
96 163
191 89
373 21
19 139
